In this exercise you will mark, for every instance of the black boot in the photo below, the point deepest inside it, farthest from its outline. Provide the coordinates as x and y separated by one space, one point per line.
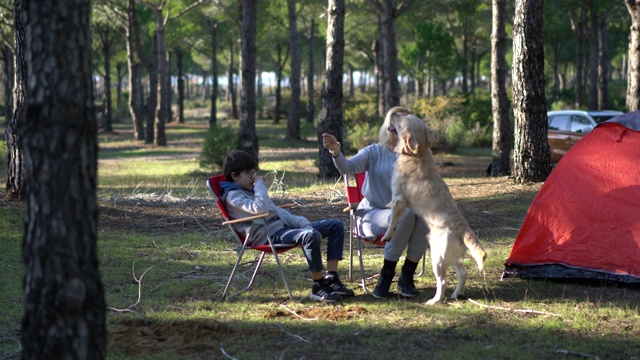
405 281
384 282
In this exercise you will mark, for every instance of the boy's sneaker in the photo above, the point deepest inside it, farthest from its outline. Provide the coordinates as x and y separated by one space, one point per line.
333 281
320 291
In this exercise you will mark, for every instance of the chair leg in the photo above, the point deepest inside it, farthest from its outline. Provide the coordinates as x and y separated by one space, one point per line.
231 279
284 276
351 254
233 272
363 279
424 260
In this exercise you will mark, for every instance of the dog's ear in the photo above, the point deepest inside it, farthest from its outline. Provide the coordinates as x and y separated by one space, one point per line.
410 144
428 135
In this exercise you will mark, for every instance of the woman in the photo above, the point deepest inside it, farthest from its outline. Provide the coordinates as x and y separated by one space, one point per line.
378 161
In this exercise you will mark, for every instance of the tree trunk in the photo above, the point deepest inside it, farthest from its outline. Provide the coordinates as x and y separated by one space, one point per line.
248 139
152 100
593 60
8 70
502 132
213 115
106 54
120 74
633 71
135 101
577 24
179 61
161 115
278 95
16 175
64 307
231 92
390 49
531 155
293 123
330 118
603 64
311 109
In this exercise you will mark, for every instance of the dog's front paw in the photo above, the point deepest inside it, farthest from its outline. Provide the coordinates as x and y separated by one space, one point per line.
387 235
433 301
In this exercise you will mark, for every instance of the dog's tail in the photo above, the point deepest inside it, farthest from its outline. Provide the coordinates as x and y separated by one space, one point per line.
476 250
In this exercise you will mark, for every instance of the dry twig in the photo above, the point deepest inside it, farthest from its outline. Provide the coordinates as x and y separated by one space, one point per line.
295 314
225 353
300 338
513 310
139 281
576 353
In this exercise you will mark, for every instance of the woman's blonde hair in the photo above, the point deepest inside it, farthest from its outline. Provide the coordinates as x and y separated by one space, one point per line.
384 136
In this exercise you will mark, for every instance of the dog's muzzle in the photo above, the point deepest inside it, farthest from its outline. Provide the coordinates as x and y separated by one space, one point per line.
392 129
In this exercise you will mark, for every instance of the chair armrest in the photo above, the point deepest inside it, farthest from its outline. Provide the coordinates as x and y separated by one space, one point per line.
351 206
287 206
247 219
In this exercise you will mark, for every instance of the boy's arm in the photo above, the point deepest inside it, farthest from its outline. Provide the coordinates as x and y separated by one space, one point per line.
241 204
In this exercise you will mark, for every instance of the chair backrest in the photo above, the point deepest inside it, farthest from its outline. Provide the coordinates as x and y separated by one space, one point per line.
214 185
354 191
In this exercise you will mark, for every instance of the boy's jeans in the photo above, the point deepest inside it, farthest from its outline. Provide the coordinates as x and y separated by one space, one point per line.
310 238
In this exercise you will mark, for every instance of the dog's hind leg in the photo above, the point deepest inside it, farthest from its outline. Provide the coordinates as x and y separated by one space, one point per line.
440 272
461 274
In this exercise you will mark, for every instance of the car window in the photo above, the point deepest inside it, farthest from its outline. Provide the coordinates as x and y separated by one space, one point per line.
580 124
559 122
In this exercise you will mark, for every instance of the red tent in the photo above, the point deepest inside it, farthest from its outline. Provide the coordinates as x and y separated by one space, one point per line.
585 221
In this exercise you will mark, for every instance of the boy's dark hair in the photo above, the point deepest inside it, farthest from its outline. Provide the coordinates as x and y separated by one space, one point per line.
236 162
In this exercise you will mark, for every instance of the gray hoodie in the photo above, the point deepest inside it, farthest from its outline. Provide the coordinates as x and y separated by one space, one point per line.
242 203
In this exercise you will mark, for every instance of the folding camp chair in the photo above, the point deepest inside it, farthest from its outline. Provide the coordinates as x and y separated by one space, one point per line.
354 196
214 185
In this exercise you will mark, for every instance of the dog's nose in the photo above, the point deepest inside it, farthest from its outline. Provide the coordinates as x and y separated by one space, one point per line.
392 129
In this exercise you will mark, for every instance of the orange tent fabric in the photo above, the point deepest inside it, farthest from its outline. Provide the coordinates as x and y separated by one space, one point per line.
585 221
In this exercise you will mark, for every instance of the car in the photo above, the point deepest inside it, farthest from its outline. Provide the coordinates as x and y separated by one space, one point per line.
566 127
603 115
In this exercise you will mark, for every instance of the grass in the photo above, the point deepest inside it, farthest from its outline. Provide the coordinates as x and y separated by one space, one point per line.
164 261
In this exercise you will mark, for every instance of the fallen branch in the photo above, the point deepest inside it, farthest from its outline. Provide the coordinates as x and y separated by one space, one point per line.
300 338
139 281
576 353
513 310
225 353
295 314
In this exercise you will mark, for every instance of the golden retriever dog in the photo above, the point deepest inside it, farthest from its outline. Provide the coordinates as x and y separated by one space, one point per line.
416 184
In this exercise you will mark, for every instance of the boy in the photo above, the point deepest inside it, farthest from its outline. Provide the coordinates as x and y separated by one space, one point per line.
245 194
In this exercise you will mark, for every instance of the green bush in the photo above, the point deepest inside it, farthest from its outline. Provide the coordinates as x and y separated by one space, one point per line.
361 123
442 114
218 142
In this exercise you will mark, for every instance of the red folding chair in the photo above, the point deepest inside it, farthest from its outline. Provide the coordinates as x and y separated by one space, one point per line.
213 183
354 196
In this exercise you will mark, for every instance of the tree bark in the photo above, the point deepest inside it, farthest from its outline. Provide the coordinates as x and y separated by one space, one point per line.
531 150
311 108
161 115
502 132
578 25
248 139
293 123
135 101
603 63
16 173
213 32
633 71
593 59
179 68
64 307
8 70
330 117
